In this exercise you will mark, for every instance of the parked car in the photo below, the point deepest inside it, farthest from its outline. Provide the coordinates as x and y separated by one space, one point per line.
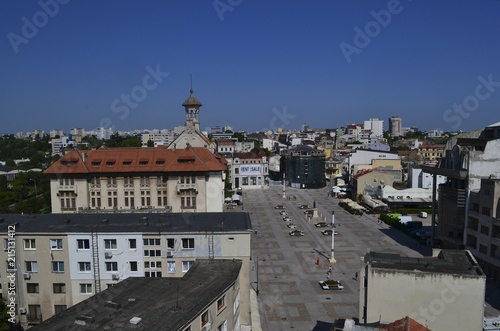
287 219
328 232
331 284
291 226
294 233
305 207
279 207
283 213
321 224
412 225
422 214
308 212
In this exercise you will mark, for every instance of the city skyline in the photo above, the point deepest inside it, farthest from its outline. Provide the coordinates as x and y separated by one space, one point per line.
254 65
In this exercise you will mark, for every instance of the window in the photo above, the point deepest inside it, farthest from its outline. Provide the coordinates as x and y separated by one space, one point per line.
35 313
236 303
186 265
152 264
111 266
152 252
133 265
221 304
84 266
152 274
86 288
204 318
171 243
223 326
132 243
59 308
83 243
171 266
485 211
29 244
33 288
56 244
57 266
109 243
59 287
188 243
152 242
485 230
31 266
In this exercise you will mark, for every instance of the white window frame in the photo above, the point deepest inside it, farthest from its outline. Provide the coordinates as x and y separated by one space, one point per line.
108 244
84 267
29 244
56 244
58 264
186 243
84 288
111 266
33 265
186 265
84 243
171 266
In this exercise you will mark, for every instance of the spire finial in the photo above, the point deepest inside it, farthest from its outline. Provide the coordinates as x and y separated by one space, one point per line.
191 78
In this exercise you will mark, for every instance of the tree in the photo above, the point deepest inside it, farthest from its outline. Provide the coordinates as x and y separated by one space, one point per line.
151 143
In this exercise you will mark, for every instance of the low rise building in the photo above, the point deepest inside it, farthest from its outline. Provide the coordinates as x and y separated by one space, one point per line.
137 179
447 292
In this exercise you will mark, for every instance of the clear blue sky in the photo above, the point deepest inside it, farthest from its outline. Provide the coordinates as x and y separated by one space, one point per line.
256 64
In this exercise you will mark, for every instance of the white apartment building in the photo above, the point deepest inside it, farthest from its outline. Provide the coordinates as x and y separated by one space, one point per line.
59 260
375 125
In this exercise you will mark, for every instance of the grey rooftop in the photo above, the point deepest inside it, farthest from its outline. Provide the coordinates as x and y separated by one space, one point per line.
159 303
134 222
450 261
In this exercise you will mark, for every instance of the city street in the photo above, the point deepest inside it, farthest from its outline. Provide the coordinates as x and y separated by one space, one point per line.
289 268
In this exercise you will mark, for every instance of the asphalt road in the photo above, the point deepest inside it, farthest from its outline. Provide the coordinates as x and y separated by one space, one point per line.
288 271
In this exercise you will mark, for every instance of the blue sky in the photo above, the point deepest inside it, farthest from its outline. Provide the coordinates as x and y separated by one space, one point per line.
255 64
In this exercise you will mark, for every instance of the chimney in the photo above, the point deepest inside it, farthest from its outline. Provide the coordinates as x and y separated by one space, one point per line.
84 157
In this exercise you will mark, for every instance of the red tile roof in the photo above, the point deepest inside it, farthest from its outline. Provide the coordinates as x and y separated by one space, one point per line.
404 324
124 160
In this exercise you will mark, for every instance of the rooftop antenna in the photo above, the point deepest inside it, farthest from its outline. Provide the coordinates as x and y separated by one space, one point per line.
191 79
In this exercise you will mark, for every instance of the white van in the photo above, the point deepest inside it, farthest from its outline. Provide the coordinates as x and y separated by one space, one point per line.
422 214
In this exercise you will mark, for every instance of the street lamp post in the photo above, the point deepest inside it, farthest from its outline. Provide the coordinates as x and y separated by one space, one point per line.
257 270
332 258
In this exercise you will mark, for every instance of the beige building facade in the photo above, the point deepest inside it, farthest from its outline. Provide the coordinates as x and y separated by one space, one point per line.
137 180
447 293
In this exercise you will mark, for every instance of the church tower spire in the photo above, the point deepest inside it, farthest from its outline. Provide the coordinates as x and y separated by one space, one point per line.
192 108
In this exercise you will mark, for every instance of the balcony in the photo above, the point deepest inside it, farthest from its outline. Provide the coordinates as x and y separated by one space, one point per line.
111 185
67 188
186 187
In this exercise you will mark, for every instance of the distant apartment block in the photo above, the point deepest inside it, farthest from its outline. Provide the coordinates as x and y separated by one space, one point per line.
56 132
375 125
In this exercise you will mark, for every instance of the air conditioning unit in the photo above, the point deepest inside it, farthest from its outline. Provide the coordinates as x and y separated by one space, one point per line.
22 311
170 254
27 275
108 255
207 327
115 277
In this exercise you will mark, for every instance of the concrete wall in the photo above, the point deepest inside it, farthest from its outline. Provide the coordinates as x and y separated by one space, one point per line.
440 301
